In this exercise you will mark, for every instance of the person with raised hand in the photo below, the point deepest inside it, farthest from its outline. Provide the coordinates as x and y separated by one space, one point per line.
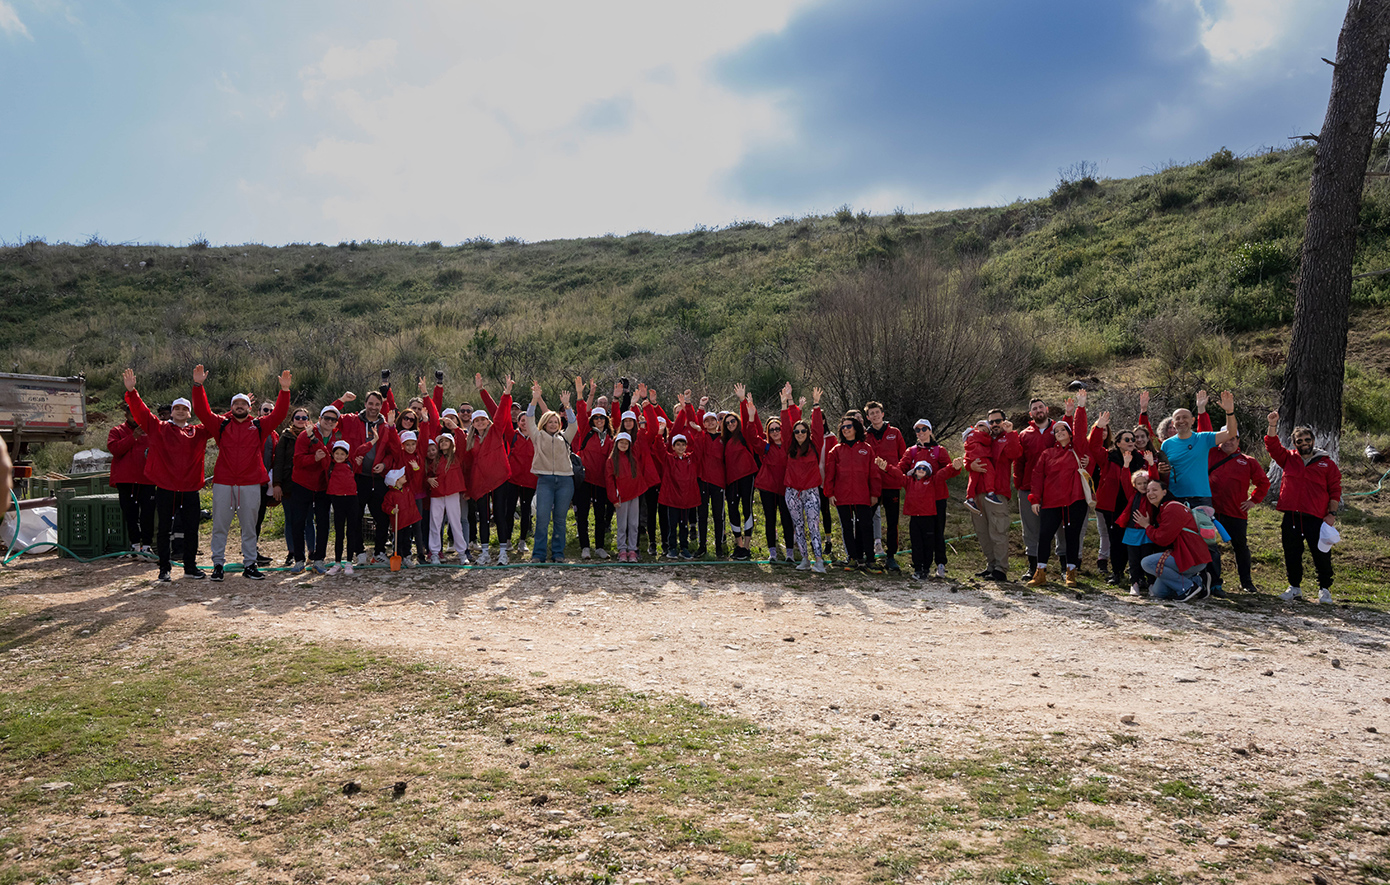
488 468
312 449
298 505
175 465
552 439
853 481
592 443
447 479
680 483
240 471
1058 497
740 469
371 436
803 477
1310 494
1114 491
129 446
771 481
1233 474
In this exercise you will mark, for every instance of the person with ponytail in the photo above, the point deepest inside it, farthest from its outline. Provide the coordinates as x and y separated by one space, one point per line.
592 444
680 483
740 470
771 481
852 480
489 467
1058 497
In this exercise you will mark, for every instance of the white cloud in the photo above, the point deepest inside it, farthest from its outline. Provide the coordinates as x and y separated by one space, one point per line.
347 63
567 120
1235 31
10 23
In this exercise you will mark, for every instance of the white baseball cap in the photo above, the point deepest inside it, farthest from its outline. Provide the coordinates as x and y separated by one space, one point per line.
409 436
395 476
181 402
622 436
243 397
343 444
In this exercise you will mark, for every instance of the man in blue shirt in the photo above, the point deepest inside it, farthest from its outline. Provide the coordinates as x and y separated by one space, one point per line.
1187 451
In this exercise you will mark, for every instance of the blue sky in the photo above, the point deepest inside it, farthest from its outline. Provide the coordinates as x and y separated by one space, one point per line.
253 121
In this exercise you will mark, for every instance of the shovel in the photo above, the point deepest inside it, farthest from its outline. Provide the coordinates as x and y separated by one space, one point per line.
396 540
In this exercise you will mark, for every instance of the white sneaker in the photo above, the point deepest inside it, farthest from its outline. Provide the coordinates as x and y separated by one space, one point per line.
407 562
502 555
1133 589
878 547
434 559
362 558
520 548
334 569
381 559
651 549
819 567
804 564
1291 594
600 553
941 569
483 558
1324 595
347 570
585 554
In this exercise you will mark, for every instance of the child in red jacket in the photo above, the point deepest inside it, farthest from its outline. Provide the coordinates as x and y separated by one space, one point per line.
628 473
399 507
446 480
919 505
680 496
342 495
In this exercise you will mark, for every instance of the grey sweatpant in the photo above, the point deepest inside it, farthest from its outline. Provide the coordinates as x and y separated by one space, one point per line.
628 519
992 530
243 502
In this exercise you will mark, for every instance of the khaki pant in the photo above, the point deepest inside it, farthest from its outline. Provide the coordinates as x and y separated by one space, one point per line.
992 529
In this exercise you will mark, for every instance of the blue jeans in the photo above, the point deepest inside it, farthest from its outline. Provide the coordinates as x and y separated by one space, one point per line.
1172 584
553 496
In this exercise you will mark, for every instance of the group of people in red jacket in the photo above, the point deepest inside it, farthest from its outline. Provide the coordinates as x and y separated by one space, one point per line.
425 471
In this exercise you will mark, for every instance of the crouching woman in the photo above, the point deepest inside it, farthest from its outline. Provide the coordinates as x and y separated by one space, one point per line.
1177 567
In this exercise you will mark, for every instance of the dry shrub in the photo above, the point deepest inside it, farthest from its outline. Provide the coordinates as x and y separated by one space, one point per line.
918 337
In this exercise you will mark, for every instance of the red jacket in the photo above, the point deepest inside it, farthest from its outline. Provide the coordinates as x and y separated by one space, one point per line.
453 478
1231 482
240 444
1057 478
414 467
128 454
979 446
175 461
1034 441
308 470
940 461
1003 450
521 452
802 473
353 427
339 477
1306 488
635 473
707 449
1174 529
680 485
490 461
888 442
399 505
740 459
919 495
851 477
592 448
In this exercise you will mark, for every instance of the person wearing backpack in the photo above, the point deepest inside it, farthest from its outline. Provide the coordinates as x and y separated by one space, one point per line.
1180 567
1310 494
1232 475
240 471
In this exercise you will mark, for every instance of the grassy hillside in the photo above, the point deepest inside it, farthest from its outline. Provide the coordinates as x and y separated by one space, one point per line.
1166 266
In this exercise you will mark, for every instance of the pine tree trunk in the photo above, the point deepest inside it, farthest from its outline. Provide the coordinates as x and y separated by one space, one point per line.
1317 354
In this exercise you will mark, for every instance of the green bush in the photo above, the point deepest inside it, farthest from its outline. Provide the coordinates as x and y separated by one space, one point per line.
1253 263
1366 400
1171 197
1222 159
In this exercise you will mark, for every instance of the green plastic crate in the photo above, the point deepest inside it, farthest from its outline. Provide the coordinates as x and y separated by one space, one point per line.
90 525
82 486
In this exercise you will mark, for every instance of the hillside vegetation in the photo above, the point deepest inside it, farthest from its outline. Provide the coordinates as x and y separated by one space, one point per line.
1167 266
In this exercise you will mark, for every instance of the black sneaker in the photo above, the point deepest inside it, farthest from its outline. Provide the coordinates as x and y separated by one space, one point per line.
253 573
1218 591
217 572
984 574
262 560
701 552
1000 576
195 574
1197 591
892 565
165 577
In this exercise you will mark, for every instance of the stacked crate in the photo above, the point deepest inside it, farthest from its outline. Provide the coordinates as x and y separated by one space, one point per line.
90 525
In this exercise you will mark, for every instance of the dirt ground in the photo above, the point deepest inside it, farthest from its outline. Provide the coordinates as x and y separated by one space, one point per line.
1269 693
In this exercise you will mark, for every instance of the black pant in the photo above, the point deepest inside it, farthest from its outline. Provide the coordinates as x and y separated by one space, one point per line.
347 519
679 522
655 513
712 497
505 500
482 508
889 498
1298 529
404 535
588 495
739 495
1073 517
1119 551
1240 546
921 532
826 525
189 510
470 513
525 497
773 504
371 491
941 532
857 527
299 507
1137 552
137 512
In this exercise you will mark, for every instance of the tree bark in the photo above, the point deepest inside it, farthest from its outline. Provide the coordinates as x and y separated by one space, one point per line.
1316 366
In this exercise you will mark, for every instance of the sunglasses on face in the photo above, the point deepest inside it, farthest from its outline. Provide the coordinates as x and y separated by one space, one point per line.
846 426
407 417
994 421
924 430
800 431
1126 439
301 418
330 419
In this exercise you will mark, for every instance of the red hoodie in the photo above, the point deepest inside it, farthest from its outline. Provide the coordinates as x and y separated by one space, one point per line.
888 442
490 461
175 462
240 444
919 495
772 476
803 473
851 477
1057 478
399 505
1176 530
591 446
739 457
707 448
339 476
452 477
128 454
308 470
1231 482
940 461
634 471
680 485
1306 488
